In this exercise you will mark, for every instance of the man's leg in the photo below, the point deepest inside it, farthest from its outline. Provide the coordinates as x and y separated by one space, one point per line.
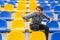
46 30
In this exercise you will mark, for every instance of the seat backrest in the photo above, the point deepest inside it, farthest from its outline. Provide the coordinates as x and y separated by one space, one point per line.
5 14
15 35
37 35
53 24
0 37
56 36
3 23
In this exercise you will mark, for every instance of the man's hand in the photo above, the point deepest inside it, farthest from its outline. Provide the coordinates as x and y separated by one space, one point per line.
51 19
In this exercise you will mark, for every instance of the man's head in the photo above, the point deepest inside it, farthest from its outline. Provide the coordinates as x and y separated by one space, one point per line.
39 9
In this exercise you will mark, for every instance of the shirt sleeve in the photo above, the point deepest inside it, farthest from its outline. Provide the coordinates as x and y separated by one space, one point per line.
47 17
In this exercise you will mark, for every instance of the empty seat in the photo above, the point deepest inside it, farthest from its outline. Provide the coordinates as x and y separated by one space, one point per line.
14 0
58 1
58 18
0 36
31 5
43 4
41 1
56 36
37 35
53 26
53 4
46 8
9 7
3 26
50 1
57 9
18 24
16 35
2 3
13 3
5 15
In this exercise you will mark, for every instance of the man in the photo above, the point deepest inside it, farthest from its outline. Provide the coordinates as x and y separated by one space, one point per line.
37 18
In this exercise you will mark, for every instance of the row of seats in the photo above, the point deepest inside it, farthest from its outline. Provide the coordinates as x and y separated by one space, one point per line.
37 35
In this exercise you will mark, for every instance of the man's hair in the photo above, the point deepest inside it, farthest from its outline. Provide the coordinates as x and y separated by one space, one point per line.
40 7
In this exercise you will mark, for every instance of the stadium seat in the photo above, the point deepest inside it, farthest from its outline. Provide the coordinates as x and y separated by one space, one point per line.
2 3
31 5
0 36
41 1
9 7
18 24
53 5
50 1
16 35
46 8
0 8
5 15
13 3
3 26
53 26
58 1
37 35
56 36
4 0
58 18
14 0
43 4
48 14
57 9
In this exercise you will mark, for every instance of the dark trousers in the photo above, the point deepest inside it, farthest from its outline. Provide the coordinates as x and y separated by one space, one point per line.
41 27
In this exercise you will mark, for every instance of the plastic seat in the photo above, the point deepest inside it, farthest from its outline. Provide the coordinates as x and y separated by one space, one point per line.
43 4
50 1
37 35
56 36
15 35
58 1
5 15
46 8
53 26
13 3
2 3
3 26
41 1
9 7
18 24
57 9
0 36
58 19
31 5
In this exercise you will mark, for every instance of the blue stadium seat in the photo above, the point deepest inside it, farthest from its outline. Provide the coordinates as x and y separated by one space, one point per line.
41 1
13 0
53 26
2 3
5 15
58 17
43 4
56 36
46 8
13 3
58 1
57 9
48 14
3 26
0 36
3 0
51 1
53 5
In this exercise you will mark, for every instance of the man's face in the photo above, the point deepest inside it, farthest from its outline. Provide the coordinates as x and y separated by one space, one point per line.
38 11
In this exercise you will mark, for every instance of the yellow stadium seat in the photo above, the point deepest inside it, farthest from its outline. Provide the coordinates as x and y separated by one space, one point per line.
15 35
18 24
0 8
37 35
33 5
9 7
